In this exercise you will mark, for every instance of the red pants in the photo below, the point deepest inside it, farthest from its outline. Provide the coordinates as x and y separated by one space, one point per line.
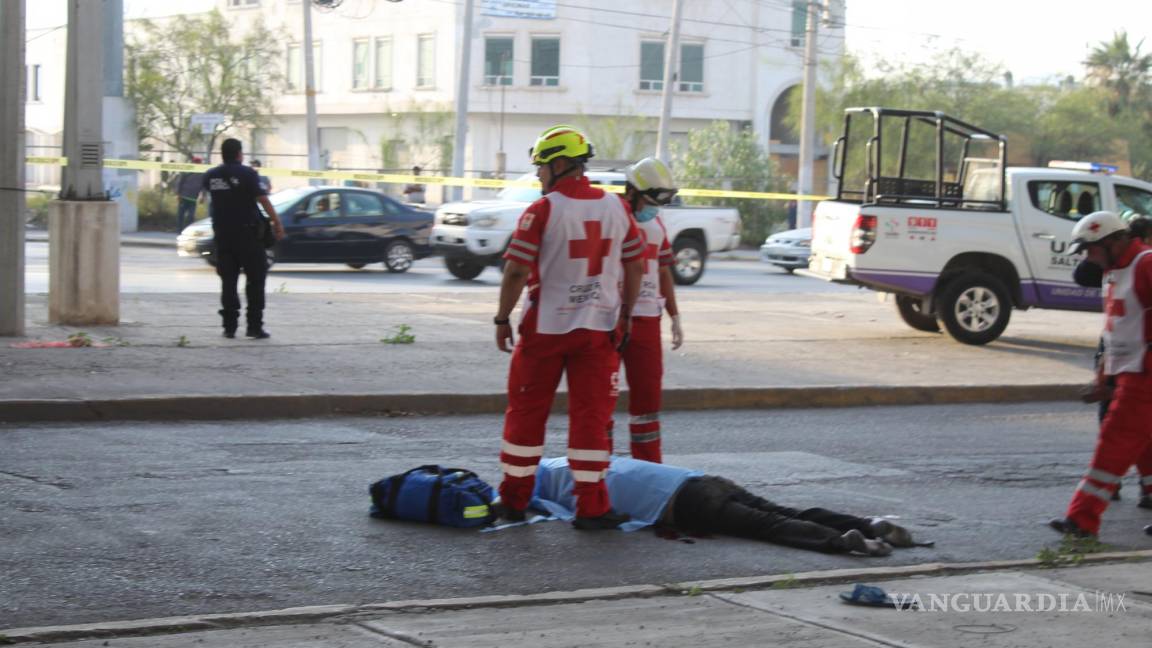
538 361
643 361
1125 439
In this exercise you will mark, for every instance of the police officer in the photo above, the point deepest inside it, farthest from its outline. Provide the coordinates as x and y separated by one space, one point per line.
237 228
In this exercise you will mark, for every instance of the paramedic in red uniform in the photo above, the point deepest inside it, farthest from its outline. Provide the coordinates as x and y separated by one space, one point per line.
1126 432
573 248
649 187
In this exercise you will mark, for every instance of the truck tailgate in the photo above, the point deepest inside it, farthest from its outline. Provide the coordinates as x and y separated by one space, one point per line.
832 225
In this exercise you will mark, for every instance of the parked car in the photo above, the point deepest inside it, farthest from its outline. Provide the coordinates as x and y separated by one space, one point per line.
473 235
788 250
333 225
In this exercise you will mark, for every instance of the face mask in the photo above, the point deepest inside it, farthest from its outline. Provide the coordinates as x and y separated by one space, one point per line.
648 213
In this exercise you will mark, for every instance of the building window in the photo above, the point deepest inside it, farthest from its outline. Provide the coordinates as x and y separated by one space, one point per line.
360 64
691 68
691 76
295 64
799 22
243 4
545 62
383 79
497 61
425 61
32 77
651 65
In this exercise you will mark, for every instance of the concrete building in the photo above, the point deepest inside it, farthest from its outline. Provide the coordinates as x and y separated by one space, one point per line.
386 74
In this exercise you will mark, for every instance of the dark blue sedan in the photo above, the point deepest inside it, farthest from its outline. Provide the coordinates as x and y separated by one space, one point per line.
333 225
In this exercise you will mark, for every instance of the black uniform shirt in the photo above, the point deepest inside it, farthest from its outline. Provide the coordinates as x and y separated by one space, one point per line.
234 188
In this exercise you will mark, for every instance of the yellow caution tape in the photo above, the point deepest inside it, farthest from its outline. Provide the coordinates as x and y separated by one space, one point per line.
392 178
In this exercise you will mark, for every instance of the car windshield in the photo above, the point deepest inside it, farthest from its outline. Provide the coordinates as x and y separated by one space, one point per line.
522 194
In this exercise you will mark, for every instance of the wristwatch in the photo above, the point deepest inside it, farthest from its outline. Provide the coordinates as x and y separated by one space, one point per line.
501 322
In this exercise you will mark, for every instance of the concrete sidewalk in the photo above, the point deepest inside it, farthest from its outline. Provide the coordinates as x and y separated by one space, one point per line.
959 604
167 359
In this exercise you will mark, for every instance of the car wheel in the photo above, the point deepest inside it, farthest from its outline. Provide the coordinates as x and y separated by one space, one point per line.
399 256
974 308
356 266
911 310
788 269
462 268
689 256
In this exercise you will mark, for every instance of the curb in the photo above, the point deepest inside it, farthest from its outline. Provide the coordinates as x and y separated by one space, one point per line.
285 406
130 242
319 613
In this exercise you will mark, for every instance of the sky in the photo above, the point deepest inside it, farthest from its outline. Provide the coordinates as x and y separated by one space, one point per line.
1037 40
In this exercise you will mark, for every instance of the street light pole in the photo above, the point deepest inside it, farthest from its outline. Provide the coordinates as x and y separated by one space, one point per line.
12 167
808 116
463 81
670 58
310 92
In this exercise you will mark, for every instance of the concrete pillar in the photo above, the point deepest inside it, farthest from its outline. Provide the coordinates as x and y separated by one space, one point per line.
84 262
11 167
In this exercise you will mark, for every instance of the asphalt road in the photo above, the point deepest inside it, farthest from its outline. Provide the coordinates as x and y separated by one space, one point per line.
126 520
159 270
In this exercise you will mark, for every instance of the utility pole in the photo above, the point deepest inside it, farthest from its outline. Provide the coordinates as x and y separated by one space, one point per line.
84 226
808 116
671 56
463 81
310 92
12 167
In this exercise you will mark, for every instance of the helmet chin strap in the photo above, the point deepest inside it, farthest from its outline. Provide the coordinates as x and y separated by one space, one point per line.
556 176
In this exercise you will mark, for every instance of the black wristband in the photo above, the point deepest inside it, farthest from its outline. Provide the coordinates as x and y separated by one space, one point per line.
501 322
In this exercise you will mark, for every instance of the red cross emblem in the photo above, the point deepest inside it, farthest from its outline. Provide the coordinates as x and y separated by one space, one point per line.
592 248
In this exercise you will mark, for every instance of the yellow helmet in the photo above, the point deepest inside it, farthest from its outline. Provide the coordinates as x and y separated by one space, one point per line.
560 142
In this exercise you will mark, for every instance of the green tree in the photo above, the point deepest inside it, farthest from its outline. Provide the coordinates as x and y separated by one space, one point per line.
1123 71
192 64
722 156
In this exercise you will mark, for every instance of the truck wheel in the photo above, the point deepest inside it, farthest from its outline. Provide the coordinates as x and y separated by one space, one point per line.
689 256
399 256
911 310
356 266
462 268
974 308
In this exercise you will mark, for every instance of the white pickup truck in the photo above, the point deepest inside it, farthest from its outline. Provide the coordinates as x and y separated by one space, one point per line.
474 235
959 239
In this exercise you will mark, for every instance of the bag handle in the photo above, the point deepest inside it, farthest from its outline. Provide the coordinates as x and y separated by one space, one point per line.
395 482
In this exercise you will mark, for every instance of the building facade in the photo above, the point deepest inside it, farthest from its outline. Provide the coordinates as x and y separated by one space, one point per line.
386 76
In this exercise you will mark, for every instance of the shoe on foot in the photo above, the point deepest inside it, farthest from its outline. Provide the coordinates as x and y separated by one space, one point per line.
229 333
1148 529
610 520
258 334
893 534
507 513
1145 502
1068 527
854 541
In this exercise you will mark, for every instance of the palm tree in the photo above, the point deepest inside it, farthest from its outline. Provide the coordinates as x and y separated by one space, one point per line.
1121 70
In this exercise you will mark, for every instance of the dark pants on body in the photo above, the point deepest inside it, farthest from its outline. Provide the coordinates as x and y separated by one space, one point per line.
185 212
235 252
711 504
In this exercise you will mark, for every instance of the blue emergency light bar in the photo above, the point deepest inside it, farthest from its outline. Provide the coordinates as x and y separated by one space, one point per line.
1091 167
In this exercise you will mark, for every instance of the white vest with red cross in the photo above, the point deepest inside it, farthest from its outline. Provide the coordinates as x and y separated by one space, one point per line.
650 303
579 266
1124 340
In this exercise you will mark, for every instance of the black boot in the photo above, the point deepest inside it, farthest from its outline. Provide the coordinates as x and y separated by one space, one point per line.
610 520
257 333
231 321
